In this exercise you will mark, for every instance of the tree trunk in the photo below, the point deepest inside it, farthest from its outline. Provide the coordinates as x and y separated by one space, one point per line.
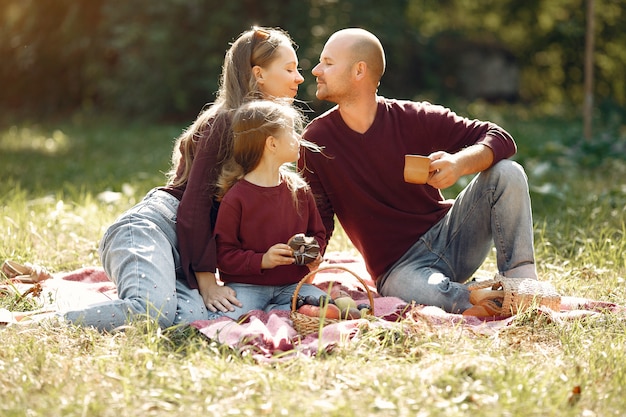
588 104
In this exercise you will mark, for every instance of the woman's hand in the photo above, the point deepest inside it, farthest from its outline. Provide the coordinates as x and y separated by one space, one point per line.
279 254
222 298
216 297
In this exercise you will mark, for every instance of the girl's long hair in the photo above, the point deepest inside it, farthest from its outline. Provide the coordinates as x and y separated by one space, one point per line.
237 84
252 124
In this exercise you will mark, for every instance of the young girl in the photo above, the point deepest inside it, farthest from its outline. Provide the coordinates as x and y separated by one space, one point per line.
265 202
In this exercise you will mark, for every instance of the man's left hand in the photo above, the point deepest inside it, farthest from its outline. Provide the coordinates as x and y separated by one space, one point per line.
444 170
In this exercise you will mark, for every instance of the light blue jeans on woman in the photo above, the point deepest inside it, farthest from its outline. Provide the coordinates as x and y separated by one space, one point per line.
267 297
494 209
139 253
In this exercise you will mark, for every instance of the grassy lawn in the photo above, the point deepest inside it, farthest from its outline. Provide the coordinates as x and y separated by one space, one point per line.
64 183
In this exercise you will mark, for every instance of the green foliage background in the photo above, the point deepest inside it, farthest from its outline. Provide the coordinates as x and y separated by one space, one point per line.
161 59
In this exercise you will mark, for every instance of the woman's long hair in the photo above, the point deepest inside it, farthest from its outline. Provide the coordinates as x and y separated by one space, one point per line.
237 84
252 124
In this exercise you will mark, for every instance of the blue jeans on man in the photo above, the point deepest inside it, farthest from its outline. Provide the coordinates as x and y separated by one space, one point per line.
493 210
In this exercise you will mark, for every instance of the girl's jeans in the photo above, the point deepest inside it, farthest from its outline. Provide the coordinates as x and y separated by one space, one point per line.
267 297
139 253
494 209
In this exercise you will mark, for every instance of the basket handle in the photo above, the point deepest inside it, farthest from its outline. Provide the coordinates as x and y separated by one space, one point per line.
326 268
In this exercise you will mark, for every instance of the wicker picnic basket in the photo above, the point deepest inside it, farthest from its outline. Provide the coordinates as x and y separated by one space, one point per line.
520 293
306 325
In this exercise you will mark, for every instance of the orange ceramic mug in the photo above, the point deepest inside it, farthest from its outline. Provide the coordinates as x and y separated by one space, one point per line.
416 169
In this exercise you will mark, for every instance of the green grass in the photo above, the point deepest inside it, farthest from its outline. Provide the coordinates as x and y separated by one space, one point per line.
53 213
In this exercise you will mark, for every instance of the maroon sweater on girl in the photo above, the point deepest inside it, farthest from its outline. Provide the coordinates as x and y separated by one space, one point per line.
359 177
251 219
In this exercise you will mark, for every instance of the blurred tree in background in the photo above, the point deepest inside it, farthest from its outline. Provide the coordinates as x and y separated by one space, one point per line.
162 59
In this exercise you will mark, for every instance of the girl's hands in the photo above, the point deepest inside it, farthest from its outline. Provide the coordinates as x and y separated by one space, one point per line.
316 263
279 254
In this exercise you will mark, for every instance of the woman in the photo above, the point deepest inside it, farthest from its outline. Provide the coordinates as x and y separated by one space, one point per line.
139 251
265 202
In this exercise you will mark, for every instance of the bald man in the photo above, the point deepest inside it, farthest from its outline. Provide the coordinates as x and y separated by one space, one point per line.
416 245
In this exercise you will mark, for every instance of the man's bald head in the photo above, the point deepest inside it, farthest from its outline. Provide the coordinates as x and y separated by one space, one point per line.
363 46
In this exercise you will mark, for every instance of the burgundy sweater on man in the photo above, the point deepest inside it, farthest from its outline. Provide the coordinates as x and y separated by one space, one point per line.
251 219
359 177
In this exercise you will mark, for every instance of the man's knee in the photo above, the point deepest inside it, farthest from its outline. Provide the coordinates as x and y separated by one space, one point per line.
509 174
509 169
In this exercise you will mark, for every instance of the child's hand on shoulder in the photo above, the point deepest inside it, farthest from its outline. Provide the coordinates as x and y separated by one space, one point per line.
279 254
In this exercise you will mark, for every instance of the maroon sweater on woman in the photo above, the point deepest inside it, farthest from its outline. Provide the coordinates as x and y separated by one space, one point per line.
360 177
198 210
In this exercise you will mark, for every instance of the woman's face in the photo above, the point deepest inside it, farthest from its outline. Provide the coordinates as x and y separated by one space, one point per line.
281 78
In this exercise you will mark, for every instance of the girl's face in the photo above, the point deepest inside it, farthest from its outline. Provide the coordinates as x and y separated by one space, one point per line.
288 145
281 78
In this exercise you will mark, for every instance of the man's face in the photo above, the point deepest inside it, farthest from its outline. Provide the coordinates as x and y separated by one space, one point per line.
334 71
